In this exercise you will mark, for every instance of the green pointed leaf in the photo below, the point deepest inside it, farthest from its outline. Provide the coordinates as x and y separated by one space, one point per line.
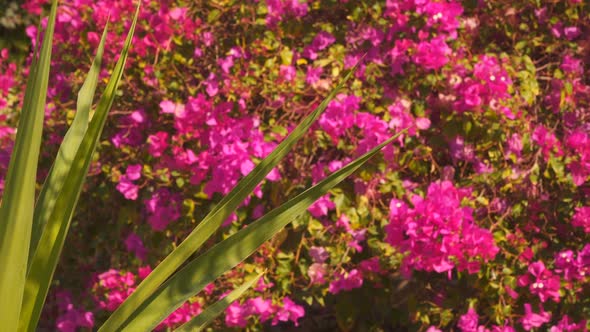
227 254
67 150
16 209
52 239
199 322
214 219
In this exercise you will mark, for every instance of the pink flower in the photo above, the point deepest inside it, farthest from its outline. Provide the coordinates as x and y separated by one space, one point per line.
71 319
319 254
109 279
320 42
471 93
321 207
287 73
316 273
339 116
210 288
226 63
133 172
422 123
162 208
181 315
313 74
134 244
511 292
566 324
132 130
261 307
443 15
571 33
531 320
289 312
208 38
469 321
438 234
262 285
515 145
157 143
115 287
398 55
432 54
546 284
371 265
236 315
346 281
547 141
212 85
129 189
572 65
581 218
579 171
168 107
144 271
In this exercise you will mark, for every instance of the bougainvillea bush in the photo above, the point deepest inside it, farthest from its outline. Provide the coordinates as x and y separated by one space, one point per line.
477 219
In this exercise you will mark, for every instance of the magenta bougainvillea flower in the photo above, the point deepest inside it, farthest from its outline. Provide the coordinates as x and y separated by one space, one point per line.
469 321
532 320
432 54
483 196
263 308
290 311
70 318
346 281
317 273
134 244
162 208
437 233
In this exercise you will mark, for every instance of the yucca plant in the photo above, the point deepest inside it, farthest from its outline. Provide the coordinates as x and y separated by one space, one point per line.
33 232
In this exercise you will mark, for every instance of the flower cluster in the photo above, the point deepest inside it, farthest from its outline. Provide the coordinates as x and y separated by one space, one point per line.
114 286
475 219
70 318
438 233
237 314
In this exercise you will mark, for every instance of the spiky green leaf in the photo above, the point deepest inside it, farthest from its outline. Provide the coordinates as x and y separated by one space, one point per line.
227 254
67 150
52 239
199 322
16 208
214 219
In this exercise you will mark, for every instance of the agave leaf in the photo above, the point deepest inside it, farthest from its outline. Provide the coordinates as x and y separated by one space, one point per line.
214 219
227 254
52 239
199 322
67 150
16 209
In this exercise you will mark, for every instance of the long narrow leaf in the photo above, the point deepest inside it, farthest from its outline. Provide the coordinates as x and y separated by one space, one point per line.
227 254
214 219
16 209
54 234
67 149
199 322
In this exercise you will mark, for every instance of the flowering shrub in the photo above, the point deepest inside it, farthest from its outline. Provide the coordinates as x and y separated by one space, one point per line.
477 220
